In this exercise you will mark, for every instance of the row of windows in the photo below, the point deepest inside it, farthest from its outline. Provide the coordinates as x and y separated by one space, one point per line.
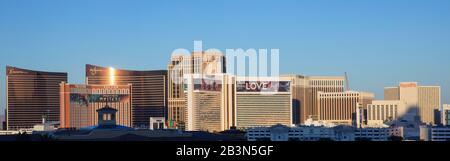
327 82
333 95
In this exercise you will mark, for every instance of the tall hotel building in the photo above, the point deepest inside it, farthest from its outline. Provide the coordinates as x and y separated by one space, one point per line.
209 102
200 63
421 101
149 90
79 104
263 101
305 91
31 95
341 107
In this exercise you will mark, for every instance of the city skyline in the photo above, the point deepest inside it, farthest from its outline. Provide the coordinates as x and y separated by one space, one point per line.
378 47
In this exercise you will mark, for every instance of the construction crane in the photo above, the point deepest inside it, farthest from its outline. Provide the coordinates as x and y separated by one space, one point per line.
347 88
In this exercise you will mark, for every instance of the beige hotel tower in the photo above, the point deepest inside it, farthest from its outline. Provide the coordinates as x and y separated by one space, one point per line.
305 91
421 101
200 63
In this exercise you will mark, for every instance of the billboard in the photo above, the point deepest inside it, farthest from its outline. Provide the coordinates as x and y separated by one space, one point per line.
84 99
109 98
203 84
263 86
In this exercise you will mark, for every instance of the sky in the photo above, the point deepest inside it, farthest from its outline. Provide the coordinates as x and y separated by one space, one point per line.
379 43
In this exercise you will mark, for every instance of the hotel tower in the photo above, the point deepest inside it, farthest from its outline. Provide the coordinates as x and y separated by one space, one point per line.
149 90
31 96
305 91
422 102
199 63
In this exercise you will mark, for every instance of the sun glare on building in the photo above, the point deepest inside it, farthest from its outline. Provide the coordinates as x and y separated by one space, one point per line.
112 76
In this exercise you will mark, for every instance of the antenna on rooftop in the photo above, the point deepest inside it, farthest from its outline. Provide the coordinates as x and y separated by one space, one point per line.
347 88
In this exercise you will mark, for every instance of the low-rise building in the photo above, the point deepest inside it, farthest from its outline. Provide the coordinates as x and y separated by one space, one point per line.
45 126
435 133
322 133
440 133
378 133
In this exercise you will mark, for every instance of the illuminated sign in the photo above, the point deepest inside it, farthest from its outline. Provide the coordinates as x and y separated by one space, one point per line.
257 86
408 85
94 71
263 86
107 97
85 99
13 71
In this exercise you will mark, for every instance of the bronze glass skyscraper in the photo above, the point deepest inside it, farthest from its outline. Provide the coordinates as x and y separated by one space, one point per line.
31 95
149 90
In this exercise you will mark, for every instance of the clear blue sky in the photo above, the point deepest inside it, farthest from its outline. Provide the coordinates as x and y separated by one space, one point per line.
378 42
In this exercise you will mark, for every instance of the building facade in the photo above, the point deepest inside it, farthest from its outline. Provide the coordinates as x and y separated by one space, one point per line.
262 101
149 90
305 90
321 133
435 133
391 93
30 96
338 107
422 102
208 63
208 102
445 114
79 104
379 112
440 133
429 103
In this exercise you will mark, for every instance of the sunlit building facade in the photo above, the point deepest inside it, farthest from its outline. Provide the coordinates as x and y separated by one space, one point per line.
208 63
79 104
422 102
149 90
209 106
338 107
262 101
305 90
384 111
31 96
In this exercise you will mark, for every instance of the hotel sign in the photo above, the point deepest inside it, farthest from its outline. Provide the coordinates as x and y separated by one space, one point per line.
12 71
85 99
263 86
94 70
204 84
108 98
408 85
